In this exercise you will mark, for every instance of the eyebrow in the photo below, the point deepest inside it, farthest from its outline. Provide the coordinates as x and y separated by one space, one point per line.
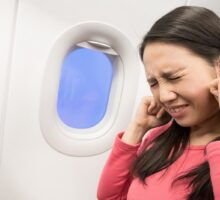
165 75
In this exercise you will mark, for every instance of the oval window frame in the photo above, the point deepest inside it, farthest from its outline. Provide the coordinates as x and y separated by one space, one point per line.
99 138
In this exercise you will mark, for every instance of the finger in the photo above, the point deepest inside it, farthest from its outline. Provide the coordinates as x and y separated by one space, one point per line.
163 115
151 106
214 83
160 113
214 93
155 110
217 68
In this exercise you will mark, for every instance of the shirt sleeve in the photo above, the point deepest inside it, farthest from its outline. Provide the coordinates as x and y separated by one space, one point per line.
213 157
116 178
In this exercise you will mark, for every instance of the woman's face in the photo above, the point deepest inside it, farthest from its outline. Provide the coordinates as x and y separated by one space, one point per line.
179 81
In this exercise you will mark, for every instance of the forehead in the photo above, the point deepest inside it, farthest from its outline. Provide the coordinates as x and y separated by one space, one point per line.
166 57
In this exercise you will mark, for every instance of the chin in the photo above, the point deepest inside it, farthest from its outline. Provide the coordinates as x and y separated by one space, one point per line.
184 123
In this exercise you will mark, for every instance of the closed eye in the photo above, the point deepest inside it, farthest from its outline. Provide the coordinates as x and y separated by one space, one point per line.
152 84
173 78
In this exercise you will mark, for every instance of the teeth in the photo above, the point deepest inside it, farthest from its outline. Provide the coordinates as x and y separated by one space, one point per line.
175 110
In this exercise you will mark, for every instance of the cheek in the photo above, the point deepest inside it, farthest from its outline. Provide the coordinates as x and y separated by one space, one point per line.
195 87
199 96
195 92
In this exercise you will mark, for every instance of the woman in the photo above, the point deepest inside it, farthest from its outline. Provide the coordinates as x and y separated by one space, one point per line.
179 157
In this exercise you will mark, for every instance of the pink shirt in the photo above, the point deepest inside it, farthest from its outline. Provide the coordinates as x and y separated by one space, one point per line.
116 183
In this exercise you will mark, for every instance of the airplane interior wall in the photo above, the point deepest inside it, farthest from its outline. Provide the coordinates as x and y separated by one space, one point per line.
30 168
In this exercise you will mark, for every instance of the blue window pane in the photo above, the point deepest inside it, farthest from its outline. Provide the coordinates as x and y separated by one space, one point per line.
84 87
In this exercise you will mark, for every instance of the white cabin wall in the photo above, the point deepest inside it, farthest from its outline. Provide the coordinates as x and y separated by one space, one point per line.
212 4
7 21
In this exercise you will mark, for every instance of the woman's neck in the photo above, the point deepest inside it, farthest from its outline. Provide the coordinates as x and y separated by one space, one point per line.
205 132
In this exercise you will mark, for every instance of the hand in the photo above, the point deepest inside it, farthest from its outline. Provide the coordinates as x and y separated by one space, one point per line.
215 84
149 114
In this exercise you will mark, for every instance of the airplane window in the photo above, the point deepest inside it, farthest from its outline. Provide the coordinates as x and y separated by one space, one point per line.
84 87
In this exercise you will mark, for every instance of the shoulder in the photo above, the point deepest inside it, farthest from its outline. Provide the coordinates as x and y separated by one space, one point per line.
152 134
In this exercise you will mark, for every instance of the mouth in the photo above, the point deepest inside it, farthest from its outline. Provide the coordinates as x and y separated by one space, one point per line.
177 111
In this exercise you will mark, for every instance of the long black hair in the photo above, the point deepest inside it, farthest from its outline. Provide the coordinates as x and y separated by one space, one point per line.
197 29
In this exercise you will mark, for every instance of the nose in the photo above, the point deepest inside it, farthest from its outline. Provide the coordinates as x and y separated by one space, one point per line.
166 94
